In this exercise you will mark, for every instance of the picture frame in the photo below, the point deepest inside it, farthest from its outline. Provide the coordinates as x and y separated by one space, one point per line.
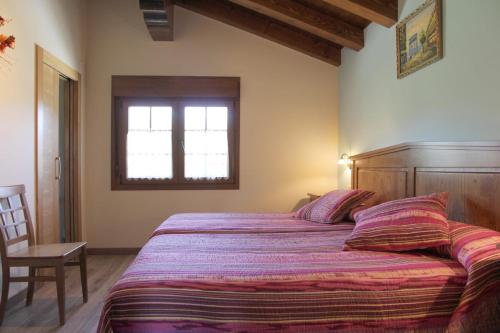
419 38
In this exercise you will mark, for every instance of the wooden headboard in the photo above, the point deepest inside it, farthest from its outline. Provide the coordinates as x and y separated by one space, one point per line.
468 171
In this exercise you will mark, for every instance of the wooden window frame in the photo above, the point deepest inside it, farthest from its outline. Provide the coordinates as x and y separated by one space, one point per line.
177 92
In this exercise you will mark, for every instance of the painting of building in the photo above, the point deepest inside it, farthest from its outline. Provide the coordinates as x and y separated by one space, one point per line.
424 45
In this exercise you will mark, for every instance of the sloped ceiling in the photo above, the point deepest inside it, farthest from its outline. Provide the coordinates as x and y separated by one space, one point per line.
319 28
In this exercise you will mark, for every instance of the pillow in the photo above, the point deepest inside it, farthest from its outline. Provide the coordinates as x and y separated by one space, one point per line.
478 250
471 244
467 239
351 216
333 206
402 225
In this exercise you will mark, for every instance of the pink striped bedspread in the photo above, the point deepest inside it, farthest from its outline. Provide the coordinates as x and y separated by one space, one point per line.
301 282
237 223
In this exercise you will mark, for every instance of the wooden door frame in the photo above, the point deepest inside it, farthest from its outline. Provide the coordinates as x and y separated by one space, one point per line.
73 172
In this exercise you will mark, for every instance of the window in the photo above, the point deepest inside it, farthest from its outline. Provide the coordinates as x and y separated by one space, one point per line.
176 138
206 153
149 142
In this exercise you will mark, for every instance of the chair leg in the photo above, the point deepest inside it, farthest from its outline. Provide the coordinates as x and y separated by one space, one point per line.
31 286
60 292
83 274
5 293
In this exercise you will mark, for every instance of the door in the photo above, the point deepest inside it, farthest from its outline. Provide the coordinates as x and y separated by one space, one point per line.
63 160
49 158
57 151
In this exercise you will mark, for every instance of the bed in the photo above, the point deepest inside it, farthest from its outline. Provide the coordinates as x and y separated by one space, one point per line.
238 223
272 273
285 282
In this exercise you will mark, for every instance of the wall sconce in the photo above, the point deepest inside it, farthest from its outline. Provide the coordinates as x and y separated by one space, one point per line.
345 160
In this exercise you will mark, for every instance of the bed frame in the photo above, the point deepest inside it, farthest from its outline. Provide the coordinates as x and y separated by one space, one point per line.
468 171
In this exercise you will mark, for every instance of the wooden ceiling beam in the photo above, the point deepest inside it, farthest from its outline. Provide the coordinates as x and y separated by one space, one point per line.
384 12
261 25
309 19
159 18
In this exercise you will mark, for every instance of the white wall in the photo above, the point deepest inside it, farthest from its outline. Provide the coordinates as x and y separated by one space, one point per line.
456 98
288 118
58 26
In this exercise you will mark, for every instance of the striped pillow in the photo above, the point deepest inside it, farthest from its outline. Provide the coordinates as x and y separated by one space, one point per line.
351 216
402 225
478 250
470 244
333 206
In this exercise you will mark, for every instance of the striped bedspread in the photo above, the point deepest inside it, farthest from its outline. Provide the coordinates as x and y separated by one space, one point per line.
302 282
237 223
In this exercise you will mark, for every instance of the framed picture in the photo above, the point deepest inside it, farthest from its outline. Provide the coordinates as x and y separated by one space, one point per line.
419 38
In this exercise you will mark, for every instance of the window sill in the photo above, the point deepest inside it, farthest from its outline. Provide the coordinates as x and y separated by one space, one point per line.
183 186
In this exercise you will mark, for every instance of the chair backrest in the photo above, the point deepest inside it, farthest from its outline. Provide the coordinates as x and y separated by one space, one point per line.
15 220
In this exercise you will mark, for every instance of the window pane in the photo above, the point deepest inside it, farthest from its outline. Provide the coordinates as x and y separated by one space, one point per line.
217 166
136 141
138 117
149 167
161 118
194 118
216 142
206 146
149 143
194 142
160 143
217 118
195 166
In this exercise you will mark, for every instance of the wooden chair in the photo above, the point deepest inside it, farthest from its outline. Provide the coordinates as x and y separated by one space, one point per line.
16 226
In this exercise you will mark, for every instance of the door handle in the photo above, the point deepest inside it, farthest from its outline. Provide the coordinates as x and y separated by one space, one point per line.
58 167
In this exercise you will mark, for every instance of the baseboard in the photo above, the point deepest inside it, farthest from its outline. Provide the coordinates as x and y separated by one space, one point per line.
113 250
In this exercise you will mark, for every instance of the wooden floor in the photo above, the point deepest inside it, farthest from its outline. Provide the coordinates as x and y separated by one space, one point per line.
42 315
